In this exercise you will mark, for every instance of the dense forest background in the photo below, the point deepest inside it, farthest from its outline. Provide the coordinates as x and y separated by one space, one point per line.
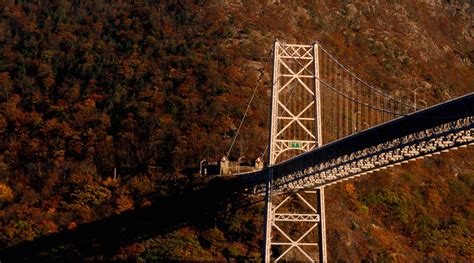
150 88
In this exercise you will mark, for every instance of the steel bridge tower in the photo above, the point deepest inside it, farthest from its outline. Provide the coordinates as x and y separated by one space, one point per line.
294 223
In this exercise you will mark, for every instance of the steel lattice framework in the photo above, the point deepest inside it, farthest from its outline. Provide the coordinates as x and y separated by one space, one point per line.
295 127
365 130
295 120
335 162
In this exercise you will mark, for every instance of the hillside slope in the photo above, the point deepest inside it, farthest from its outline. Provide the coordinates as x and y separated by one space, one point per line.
153 87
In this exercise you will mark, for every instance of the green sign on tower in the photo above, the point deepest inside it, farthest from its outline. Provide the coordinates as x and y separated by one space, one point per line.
295 145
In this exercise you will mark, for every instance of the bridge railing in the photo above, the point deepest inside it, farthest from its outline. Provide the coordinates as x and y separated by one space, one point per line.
438 128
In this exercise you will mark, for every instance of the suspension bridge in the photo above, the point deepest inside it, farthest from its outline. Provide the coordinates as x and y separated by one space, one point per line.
328 125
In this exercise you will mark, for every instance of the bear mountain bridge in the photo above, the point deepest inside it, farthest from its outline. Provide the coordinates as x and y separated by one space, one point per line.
327 125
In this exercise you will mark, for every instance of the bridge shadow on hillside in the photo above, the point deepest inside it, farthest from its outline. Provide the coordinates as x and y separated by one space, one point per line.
102 238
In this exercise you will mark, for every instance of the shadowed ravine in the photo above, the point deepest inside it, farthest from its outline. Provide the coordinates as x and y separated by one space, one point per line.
104 237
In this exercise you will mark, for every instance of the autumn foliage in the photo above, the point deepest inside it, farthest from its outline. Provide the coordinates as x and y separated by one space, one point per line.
103 104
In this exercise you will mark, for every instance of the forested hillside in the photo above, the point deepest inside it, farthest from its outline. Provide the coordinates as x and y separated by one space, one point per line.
150 88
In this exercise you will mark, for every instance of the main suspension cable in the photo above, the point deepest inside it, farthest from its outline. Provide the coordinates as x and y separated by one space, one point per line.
361 80
346 96
250 102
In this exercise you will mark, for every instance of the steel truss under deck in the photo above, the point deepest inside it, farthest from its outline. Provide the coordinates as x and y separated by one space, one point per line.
318 171
295 125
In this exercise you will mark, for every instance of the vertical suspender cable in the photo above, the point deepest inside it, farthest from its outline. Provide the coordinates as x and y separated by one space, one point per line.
383 107
347 106
380 113
352 103
339 103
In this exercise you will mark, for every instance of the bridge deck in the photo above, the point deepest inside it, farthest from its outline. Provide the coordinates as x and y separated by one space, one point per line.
442 127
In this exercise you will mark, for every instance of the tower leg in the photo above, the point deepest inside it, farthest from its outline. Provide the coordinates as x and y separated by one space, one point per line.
295 227
268 218
322 226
